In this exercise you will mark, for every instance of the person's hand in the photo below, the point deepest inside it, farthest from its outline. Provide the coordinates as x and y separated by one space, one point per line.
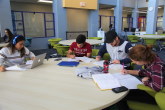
124 71
32 58
2 69
116 61
72 56
145 79
98 58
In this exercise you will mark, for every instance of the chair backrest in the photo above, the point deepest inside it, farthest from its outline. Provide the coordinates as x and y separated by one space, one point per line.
133 38
159 97
62 50
106 56
95 52
149 41
97 38
54 41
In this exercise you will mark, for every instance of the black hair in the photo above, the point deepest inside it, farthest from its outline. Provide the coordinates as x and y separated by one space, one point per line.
80 39
10 35
14 41
110 36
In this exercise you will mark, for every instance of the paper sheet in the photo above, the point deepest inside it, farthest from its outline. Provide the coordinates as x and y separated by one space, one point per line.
15 67
84 59
105 81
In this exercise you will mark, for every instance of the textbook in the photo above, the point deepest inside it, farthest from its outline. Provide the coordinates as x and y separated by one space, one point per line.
68 63
109 81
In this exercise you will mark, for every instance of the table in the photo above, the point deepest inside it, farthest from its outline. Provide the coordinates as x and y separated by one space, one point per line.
90 41
52 87
152 36
3 44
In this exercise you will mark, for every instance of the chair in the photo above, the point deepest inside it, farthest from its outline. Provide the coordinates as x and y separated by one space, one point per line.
106 56
28 41
159 97
150 42
62 50
133 38
96 38
54 41
95 52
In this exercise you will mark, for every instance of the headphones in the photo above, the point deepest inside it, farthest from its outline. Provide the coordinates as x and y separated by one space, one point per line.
14 40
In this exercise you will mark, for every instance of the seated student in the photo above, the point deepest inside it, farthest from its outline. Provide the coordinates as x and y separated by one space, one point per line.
8 36
116 47
154 72
80 48
153 75
14 53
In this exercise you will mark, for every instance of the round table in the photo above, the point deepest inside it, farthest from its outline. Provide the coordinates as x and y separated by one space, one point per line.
52 87
152 36
90 41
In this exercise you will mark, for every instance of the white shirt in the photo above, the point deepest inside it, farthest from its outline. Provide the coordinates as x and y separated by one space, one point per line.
8 59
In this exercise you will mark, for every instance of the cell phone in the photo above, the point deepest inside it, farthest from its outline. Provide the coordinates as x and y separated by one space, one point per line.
119 89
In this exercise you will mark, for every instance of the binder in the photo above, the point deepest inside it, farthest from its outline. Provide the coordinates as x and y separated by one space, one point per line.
68 63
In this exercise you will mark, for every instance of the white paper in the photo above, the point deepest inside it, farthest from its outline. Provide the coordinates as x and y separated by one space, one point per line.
84 59
105 81
99 63
15 67
29 62
127 80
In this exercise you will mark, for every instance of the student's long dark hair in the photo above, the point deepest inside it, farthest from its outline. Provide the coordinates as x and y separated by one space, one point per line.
142 53
14 41
10 35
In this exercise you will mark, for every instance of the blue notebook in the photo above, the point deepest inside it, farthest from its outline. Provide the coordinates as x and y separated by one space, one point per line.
68 63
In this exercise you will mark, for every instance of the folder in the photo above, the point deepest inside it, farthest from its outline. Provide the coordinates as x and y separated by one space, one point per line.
68 63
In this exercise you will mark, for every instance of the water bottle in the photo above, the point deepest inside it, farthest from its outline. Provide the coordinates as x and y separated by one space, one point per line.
106 66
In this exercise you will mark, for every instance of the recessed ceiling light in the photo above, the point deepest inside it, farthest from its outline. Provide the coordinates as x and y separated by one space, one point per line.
46 1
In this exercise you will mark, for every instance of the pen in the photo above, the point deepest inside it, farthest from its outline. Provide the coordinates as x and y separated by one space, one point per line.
123 66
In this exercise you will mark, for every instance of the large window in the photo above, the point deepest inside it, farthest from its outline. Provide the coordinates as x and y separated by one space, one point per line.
33 24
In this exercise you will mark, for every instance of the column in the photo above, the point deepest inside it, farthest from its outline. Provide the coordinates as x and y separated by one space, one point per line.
93 23
135 15
164 18
60 16
118 16
152 16
5 16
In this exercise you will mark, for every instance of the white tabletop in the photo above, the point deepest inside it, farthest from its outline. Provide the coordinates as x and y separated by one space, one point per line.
90 41
3 44
152 36
52 87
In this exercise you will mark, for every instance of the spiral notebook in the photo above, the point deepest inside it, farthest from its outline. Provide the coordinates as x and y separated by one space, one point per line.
68 63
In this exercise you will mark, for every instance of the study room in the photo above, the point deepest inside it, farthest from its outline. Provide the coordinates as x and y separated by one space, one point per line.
82 55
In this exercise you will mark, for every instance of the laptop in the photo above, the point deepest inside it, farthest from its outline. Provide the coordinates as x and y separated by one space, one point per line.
39 59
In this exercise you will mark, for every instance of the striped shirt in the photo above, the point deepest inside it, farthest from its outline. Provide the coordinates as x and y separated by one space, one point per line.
9 59
156 74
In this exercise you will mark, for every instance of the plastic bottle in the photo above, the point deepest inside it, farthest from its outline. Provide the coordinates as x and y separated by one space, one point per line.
105 66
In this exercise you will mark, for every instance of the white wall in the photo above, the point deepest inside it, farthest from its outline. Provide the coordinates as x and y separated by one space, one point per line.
21 6
5 16
106 12
129 3
77 20
143 3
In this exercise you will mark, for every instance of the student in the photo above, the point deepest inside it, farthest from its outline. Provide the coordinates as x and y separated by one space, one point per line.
116 47
80 48
154 72
8 36
111 27
14 53
153 75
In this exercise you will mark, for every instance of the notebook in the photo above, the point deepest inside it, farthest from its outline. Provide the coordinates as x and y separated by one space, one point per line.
68 63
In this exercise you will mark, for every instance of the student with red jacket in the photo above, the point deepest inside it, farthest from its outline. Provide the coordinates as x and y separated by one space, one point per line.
80 48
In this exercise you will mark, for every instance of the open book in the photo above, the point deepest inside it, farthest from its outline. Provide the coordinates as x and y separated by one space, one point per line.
109 81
